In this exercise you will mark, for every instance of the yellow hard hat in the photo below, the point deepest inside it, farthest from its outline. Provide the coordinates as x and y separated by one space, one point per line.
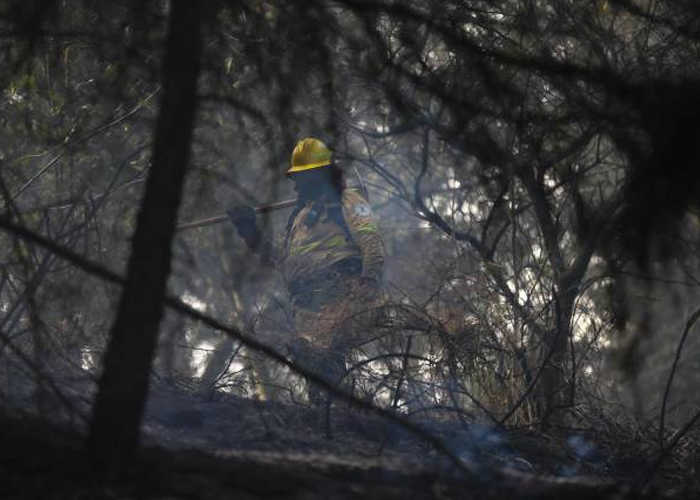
308 154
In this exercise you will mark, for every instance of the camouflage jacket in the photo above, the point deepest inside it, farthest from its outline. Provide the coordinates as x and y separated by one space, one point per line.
343 231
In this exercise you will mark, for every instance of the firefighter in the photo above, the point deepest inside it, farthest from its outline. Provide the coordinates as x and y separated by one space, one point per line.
331 258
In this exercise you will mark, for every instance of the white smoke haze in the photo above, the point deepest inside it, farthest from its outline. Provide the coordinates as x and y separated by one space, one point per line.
500 162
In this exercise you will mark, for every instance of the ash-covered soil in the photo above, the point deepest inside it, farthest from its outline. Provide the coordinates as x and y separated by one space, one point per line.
196 446
179 420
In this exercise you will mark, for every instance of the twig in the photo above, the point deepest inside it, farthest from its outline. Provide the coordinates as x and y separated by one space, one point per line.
42 376
403 374
664 451
662 418
90 135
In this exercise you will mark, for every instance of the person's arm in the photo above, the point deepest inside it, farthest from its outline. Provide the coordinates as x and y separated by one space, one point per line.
244 220
363 226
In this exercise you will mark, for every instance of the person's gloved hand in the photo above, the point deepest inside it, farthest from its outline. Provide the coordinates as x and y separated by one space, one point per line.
243 218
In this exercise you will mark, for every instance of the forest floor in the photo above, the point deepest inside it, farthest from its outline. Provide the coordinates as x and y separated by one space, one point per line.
198 447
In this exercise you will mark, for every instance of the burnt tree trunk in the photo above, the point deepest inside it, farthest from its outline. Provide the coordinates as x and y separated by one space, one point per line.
555 393
123 386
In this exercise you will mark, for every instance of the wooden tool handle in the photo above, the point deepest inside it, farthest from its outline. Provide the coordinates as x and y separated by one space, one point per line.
221 218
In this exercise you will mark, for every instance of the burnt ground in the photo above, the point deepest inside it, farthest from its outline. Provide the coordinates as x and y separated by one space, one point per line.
231 447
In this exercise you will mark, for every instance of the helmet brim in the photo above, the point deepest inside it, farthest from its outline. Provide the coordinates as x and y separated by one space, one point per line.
309 166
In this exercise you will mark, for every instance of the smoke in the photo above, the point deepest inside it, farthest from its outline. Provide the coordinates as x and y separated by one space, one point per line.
584 453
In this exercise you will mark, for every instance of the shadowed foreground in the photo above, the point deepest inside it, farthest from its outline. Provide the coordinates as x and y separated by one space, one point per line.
244 449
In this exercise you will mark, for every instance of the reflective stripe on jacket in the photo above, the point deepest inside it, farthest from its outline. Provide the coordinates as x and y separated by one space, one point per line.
348 230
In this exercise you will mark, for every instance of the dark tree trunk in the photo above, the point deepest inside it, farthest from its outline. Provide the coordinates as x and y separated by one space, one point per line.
123 386
555 390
